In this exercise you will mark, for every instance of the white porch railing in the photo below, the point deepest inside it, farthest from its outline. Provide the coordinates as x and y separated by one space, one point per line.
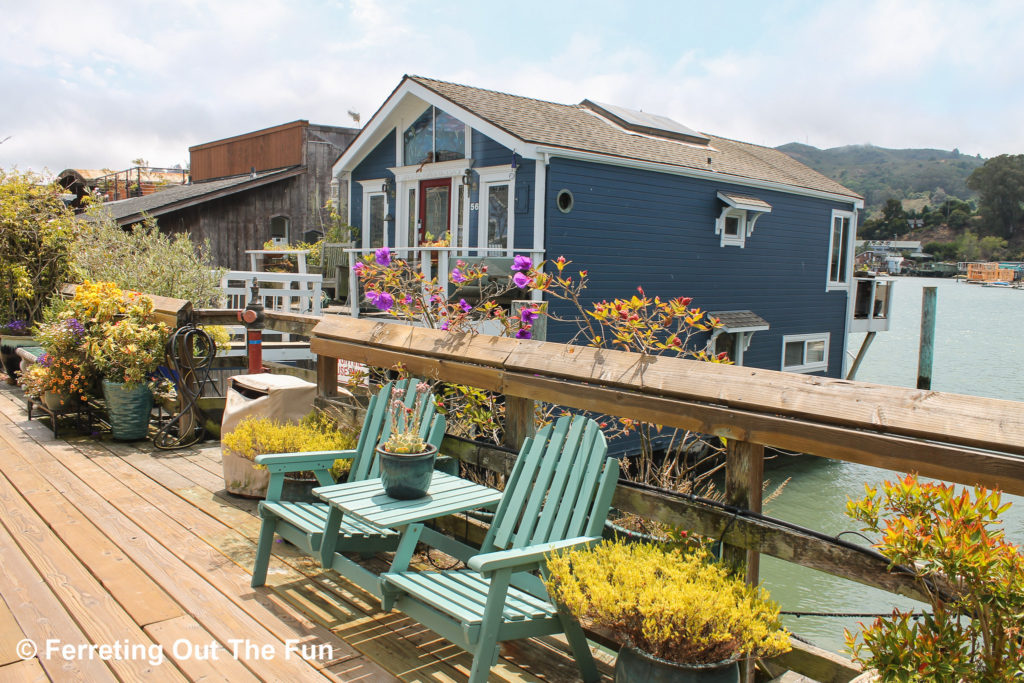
291 292
426 257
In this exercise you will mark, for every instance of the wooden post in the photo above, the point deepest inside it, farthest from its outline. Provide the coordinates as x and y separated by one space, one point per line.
519 422
744 478
924 355
326 376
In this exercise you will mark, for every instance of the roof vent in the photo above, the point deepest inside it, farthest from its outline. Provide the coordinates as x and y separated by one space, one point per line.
647 124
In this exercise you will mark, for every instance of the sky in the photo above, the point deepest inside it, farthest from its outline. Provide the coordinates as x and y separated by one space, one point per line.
100 84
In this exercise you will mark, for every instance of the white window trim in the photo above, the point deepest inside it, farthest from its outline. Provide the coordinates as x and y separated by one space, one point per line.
409 177
805 367
830 284
490 176
372 188
740 238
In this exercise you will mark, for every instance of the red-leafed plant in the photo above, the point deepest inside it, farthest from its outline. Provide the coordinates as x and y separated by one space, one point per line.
975 579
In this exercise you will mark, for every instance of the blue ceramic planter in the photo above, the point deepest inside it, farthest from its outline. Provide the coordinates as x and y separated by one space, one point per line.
406 476
128 410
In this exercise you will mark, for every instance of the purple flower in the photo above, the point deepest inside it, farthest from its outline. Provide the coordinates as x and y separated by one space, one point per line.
522 263
45 360
521 280
464 305
407 300
15 327
528 315
457 275
523 333
383 256
444 324
381 300
359 267
76 327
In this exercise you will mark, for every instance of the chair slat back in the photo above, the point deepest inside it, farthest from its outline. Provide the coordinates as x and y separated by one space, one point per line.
560 487
377 426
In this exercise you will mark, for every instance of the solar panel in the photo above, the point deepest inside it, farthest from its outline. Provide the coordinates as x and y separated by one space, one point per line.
648 124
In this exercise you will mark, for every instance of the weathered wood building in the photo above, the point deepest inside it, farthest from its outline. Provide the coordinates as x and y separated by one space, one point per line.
247 189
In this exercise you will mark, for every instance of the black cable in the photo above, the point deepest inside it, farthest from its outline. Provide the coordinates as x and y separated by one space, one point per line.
852 615
190 352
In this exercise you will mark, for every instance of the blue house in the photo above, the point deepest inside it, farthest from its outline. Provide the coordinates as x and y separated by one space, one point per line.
752 235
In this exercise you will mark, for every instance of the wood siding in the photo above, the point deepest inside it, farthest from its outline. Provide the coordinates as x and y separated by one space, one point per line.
276 147
374 165
631 227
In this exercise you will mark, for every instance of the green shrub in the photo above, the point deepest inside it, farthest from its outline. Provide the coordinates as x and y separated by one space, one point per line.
37 238
144 259
316 432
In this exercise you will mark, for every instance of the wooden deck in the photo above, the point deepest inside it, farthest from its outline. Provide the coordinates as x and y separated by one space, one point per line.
140 553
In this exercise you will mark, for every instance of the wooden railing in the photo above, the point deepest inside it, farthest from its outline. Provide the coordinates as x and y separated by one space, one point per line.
964 439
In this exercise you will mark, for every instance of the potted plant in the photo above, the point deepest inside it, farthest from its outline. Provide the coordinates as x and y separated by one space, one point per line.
678 615
955 546
258 435
127 352
406 459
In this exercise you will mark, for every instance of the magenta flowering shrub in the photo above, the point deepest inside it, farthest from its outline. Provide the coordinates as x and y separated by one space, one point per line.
394 285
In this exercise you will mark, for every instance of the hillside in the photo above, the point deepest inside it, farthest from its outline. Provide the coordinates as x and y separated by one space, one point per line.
878 173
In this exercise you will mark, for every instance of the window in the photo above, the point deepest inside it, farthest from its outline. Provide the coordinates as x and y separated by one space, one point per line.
279 229
434 136
377 210
805 352
739 215
564 201
839 249
496 225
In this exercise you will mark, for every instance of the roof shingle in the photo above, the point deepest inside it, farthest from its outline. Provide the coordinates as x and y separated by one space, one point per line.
576 127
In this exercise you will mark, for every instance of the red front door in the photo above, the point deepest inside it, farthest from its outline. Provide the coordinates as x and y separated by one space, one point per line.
435 208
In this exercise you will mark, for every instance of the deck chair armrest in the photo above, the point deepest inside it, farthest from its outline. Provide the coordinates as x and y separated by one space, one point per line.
297 462
525 558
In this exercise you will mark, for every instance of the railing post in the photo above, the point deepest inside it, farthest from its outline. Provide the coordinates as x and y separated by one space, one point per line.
519 421
326 376
744 480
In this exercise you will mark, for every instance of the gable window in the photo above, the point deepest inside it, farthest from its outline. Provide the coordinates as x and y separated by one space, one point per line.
279 229
434 136
738 217
497 186
805 352
839 249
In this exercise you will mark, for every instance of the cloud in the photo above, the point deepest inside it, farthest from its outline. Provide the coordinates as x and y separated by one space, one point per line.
104 85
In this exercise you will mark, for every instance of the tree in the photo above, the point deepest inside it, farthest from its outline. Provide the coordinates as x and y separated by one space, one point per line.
37 235
992 248
999 183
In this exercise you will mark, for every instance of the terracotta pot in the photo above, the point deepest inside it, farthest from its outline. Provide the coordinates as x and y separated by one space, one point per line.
57 402
406 476
636 666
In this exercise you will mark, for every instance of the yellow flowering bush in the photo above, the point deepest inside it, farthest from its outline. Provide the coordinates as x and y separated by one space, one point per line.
675 605
316 432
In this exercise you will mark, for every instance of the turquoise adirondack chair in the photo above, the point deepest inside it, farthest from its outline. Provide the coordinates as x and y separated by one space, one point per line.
302 523
557 496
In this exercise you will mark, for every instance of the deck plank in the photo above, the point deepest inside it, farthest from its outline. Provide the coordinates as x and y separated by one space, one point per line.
100 617
166 515
41 615
10 635
24 671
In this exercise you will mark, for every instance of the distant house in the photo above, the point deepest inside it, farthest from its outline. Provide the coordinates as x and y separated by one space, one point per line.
108 185
248 189
634 198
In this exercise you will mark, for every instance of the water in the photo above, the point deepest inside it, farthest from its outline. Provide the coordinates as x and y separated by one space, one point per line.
979 339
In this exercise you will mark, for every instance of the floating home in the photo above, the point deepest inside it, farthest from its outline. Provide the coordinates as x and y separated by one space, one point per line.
754 236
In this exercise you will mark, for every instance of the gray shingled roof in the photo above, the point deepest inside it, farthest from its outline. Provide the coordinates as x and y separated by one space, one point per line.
575 127
169 199
739 320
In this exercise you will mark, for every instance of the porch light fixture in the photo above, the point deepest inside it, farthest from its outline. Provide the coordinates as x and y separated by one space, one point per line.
388 188
467 177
